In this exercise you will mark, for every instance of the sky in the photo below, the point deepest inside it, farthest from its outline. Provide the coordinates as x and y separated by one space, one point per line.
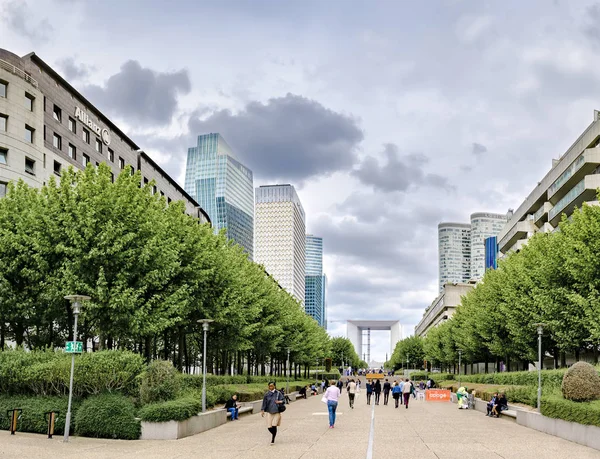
387 116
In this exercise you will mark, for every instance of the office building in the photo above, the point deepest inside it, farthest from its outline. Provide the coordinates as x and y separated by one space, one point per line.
223 187
483 226
572 180
47 125
315 280
454 251
280 237
442 308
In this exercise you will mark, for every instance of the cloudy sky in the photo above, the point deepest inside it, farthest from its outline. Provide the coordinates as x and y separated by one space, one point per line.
387 116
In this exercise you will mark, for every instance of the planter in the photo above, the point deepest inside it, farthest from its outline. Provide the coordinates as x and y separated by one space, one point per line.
172 430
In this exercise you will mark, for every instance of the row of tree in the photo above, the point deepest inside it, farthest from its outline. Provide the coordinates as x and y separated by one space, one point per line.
151 272
553 280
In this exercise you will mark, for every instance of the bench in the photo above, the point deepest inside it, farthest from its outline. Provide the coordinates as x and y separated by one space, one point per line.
242 410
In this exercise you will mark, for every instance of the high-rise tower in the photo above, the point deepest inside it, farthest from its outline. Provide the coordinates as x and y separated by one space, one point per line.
454 248
315 280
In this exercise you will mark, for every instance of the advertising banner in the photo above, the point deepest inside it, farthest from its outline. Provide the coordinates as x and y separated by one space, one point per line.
437 395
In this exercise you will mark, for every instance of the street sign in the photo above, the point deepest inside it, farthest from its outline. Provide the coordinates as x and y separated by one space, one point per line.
74 347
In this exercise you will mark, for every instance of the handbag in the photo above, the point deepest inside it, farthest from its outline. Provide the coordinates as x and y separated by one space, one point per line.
281 407
324 399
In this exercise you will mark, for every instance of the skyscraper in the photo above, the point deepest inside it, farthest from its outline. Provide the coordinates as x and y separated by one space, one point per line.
483 225
315 280
454 248
223 187
280 236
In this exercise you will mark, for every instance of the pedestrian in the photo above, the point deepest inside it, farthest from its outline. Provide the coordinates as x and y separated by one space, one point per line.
377 390
386 391
406 392
396 392
351 388
332 394
340 384
272 400
369 387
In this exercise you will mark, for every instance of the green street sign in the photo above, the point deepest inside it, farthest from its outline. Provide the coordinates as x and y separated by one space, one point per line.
74 347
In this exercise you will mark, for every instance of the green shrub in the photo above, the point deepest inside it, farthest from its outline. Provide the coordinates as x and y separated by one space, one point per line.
13 367
108 371
550 378
437 377
160 382
107 416
522 394
174 410
581 383
328 375
587 413
32 417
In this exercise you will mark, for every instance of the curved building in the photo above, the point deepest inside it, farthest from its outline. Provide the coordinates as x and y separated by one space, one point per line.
483 225
454 252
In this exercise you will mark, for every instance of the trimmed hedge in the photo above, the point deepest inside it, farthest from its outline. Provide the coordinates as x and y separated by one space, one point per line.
32 417
550 378
107 416
173 410
437 377
555 406
160 382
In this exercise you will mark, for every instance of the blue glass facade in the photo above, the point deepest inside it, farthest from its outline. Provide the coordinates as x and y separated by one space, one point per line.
223 187
491 253
315 283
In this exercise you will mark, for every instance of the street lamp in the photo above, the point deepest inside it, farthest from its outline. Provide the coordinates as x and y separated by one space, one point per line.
76 306
287 386
540 330
204 323
459 358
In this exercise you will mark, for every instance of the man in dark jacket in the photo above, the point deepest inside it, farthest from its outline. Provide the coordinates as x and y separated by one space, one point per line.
270 405
377 390
387 387
232 406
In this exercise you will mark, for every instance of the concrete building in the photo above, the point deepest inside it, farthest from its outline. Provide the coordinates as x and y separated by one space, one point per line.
454 252
359 334
46 125
483 226
572 180
280 237
442 307
223 187
315 280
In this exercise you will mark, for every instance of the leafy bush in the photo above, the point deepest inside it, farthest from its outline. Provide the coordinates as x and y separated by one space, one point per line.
160 382
328 375
107 416
32 417
108 371
587 413
174 410
13 366
550 378
581 383
437 377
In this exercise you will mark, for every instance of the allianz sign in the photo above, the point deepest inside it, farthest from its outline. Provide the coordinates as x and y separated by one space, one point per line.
103 133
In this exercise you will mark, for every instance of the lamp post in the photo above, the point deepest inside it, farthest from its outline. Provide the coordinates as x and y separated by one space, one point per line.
540 330
76 306
287 386
204 323
459 358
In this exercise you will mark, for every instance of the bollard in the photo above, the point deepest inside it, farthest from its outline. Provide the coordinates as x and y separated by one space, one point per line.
51 417
14 417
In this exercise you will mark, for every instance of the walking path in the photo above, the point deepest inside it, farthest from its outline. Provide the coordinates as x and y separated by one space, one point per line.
425 431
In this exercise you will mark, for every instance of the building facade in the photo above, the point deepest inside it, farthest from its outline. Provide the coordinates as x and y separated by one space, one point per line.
223 187
47 125
454 252
572 180
442 308
280 237
483 226
315 280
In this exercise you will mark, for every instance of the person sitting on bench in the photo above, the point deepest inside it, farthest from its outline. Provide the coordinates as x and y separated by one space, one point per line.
302 392
233 407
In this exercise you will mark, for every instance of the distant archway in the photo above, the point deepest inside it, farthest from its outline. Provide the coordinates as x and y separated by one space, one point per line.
359 334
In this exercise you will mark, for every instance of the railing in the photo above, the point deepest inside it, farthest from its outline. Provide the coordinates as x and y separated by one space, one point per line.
567 199
17 71
566 175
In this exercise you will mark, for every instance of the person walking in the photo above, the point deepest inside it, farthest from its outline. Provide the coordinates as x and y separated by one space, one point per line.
332 394
377 390
406 392
351 388
387 387
270 405
396 393
369 388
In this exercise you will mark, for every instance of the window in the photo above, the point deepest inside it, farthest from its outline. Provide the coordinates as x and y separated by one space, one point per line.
121 163
57 142
3 122
3 186
86 159
72 151
112 177
111 155
57 113
29 131
29 101
57 168
3 88
3 156
29 166
145 181
154 189
85 135
98 146
72 125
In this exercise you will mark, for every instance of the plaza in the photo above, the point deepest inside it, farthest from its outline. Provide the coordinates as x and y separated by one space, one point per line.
425 430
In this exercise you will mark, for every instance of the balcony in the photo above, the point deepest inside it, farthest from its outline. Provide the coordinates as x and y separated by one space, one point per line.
17 71
541 216
583 191
584 165
522 230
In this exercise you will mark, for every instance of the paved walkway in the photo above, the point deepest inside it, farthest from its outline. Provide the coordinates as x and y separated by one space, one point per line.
424 431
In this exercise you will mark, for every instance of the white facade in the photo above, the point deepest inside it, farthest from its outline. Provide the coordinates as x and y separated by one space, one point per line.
279 237
442 308
483 225
454 252
359 334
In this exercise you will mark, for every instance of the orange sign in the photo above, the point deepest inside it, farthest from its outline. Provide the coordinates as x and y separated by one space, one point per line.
437 395
375 375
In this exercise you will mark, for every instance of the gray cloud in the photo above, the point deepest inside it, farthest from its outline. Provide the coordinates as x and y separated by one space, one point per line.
399 173
291 137
18 16
72 70
141 94
592 27
478 149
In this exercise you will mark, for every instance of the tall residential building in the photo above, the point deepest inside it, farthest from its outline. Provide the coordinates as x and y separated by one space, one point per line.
454 250
315 280
483 226
280 233
572 180
223 187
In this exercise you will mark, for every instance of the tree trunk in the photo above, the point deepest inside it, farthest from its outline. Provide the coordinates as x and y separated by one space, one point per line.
555 355
595 354
147 349
577 355
2 334
563 359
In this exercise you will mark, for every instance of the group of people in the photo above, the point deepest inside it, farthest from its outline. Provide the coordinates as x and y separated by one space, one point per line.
400 389
496 405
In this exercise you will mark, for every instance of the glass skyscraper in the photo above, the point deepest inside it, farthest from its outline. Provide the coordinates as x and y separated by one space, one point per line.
315 283
223 187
